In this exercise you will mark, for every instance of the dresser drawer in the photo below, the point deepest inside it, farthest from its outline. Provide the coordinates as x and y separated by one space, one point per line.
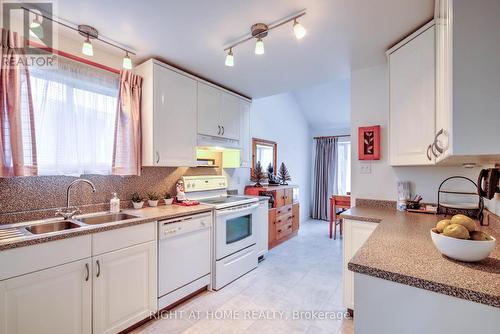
283 229
283 210
286 218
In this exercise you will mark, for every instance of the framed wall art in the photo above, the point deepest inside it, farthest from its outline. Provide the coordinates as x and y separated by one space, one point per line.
369 142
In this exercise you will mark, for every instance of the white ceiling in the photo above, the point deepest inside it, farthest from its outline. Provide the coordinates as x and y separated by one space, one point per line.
341 35
326 106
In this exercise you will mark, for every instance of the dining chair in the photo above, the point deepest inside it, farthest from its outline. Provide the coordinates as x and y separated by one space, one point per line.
338 202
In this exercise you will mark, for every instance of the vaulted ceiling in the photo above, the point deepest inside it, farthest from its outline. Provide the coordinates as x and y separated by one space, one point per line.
341 35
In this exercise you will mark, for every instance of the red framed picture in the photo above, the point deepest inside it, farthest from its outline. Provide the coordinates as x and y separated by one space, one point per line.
369 142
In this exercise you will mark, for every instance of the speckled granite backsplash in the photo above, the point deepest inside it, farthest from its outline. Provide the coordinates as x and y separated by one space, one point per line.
30 198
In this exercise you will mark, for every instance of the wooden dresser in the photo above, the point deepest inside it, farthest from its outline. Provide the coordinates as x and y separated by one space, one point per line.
284 214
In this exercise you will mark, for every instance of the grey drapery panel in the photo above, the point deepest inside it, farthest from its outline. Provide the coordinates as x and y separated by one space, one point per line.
325 176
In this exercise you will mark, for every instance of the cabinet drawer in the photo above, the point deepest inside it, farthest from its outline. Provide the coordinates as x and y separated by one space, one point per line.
283 210
123 237
286 218
283 229
23 260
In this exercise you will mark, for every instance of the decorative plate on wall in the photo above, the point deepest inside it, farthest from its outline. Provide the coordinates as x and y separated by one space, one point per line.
369 142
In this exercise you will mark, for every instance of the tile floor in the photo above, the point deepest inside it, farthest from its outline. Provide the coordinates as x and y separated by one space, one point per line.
302 275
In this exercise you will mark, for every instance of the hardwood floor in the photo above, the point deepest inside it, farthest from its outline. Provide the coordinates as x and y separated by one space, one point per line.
302 275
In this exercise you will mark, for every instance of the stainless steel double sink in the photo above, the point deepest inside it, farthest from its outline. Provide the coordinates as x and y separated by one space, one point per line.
61 225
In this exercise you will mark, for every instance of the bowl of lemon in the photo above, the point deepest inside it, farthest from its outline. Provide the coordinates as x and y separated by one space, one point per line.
459 238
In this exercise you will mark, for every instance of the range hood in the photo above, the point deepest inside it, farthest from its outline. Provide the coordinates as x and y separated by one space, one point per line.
217 142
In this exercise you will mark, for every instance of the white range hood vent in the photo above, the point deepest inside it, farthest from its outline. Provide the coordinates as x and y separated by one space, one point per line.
210 141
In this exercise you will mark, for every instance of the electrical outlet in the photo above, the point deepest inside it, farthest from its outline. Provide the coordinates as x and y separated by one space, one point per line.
365 168
238 181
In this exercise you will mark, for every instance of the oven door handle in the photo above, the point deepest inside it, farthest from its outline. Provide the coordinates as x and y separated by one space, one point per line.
237 209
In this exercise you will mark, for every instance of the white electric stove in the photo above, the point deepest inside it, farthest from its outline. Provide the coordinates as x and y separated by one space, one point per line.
235 250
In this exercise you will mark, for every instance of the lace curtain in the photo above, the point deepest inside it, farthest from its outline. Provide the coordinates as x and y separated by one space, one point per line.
75 109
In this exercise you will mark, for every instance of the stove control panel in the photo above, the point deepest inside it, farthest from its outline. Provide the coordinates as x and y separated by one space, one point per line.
204 183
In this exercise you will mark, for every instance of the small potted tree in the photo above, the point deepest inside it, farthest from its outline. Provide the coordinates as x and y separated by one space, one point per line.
168 199
137 201
153 198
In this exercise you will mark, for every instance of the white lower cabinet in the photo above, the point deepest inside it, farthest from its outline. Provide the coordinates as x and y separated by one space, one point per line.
54 300
124 287
78 293
355 234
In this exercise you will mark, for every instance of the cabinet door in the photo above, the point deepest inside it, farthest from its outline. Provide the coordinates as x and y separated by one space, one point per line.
124 287
209 108
245 140
230 116
295 217
355 235
279 199
272 226
55 300
174 118
443 76
288 196
412 101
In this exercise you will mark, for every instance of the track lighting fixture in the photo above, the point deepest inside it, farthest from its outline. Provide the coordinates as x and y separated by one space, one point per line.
261 30
230 58
127 62
86 31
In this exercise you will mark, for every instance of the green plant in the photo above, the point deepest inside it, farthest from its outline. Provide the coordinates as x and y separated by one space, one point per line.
167 195
136 198
152 196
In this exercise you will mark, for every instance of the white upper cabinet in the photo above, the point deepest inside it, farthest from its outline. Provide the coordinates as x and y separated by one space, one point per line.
218 112
169 109
181 112
209 107
412 102
467 81
230 116
464 84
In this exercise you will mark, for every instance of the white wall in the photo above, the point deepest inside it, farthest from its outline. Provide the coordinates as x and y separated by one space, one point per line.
370 106
280 119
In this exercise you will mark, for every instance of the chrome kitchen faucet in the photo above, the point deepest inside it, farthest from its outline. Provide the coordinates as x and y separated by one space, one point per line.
67 213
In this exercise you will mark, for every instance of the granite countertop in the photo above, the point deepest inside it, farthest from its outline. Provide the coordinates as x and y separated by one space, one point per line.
401 250
144 215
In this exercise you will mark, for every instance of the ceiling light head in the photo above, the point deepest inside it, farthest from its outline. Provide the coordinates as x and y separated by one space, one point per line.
87 48
299 30
89 33
127 62
37 22
230 58
259 47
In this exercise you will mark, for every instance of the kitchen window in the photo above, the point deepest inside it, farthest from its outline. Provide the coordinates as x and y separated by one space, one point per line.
75 112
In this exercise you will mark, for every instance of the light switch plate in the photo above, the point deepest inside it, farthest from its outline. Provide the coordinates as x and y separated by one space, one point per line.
365 168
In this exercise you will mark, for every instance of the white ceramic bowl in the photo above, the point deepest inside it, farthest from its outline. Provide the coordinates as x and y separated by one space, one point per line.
463 250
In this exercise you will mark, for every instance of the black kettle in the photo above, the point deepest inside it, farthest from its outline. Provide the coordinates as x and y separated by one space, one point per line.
487 182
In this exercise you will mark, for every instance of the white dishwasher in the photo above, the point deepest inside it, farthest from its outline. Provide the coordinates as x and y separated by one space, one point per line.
184 257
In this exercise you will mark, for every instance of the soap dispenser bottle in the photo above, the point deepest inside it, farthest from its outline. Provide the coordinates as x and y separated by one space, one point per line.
114 204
